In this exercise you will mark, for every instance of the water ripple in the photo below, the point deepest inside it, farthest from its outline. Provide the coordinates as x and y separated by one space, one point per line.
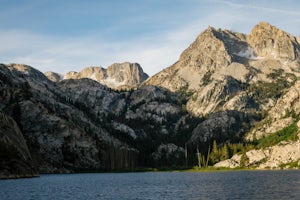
157 185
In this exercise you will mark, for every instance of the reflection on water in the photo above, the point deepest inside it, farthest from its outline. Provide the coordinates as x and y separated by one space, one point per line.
157 185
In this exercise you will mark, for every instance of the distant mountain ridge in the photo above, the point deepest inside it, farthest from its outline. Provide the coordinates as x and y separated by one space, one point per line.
116 76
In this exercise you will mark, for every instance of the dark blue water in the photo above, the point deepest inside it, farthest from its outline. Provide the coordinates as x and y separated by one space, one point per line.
157 185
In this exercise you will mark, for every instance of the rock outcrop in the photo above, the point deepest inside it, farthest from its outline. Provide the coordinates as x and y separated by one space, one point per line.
267 40
55 77
222 126
118 75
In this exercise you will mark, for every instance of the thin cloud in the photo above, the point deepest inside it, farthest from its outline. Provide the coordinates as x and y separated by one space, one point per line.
56 54
262 8
132 40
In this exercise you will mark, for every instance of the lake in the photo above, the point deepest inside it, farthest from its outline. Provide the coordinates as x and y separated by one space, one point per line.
157 185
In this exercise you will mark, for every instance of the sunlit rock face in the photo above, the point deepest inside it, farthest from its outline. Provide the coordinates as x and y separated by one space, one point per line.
55 77
267 40
118 75
218 70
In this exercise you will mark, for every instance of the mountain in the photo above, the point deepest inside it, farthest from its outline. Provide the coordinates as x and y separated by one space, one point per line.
220 68
116 76
255 74
233 97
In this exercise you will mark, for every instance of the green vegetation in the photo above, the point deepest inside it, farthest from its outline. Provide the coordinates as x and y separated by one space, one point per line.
226 150
244 160
290 165
210 169
184 93
286 134
183 169
165 169
263 90
207 78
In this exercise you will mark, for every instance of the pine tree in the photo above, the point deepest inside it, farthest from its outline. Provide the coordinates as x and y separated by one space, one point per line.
244 159
224 152
235 149
214 156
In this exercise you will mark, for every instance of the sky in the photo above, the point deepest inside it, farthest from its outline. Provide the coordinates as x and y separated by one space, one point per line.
69 35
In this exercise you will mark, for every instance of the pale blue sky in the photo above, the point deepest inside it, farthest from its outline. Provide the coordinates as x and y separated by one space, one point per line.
65 35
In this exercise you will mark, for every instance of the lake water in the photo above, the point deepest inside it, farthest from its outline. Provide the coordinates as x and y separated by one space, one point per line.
157 185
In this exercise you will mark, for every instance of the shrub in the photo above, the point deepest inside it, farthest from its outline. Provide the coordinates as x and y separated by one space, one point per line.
286 134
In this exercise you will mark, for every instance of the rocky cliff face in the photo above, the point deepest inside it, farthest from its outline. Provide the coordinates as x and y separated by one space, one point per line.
15 159
224 126
118 75
267 40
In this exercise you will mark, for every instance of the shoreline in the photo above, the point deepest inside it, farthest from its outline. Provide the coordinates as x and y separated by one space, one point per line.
192 170
145 170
